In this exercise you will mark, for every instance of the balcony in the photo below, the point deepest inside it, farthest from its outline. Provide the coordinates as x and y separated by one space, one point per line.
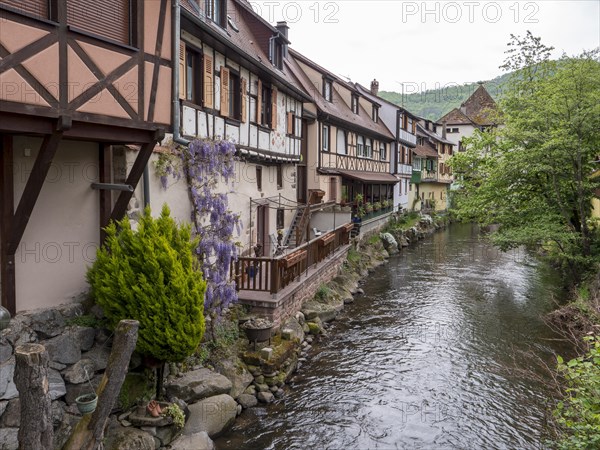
407 138
404 169
272 275
428 175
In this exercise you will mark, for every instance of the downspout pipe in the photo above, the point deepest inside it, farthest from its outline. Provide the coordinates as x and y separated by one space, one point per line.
176 32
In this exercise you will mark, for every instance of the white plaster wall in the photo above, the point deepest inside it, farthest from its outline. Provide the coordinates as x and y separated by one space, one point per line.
62 236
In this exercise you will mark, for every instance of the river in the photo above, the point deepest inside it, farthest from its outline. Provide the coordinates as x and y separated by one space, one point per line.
442 352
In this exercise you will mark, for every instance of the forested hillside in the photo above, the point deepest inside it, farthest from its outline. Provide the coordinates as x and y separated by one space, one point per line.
434 103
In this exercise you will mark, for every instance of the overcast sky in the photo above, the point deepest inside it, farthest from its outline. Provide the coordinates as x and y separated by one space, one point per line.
428 44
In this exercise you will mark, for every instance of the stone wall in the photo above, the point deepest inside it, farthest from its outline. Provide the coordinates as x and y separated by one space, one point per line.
72 349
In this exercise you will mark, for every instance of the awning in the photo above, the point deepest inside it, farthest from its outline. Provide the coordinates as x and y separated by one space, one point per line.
369 177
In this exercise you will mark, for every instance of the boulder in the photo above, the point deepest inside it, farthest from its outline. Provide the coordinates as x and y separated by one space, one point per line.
56 385
80 371
6 350
196 441
99 355
12 415
199 384
247 401
389 243
129 438
8 438
265 397
83 336
47 323
213 415
326 311
236 373
295 327
63 349
58 413
8 390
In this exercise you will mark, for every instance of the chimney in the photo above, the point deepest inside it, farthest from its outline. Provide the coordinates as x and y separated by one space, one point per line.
283 28
374 87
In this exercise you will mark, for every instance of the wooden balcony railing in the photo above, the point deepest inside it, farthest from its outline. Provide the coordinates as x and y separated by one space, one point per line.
274 274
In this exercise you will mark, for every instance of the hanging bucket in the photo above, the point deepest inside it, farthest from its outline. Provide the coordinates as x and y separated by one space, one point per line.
86 404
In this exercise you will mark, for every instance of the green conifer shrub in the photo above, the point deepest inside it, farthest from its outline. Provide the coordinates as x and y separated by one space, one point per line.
151 275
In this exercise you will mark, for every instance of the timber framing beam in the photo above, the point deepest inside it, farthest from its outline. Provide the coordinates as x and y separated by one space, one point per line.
7 260
132 179
33 189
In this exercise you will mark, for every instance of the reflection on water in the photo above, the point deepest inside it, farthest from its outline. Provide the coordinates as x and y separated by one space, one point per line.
438 354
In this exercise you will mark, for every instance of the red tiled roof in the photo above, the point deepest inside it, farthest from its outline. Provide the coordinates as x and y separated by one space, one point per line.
455 117
478 109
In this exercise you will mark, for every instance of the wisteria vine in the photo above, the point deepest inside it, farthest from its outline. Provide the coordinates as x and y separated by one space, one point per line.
209 169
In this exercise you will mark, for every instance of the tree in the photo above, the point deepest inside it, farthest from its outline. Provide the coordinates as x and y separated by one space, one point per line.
533 175
151 275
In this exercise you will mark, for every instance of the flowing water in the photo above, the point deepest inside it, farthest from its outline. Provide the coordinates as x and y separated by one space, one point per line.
442 352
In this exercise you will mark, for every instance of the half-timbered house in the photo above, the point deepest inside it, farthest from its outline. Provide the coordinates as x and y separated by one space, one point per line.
348 143
403 125
233 84
85 87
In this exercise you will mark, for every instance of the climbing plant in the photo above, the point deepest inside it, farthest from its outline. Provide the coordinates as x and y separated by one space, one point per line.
209 169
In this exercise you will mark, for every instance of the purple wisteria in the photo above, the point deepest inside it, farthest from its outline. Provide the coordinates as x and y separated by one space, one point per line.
208 167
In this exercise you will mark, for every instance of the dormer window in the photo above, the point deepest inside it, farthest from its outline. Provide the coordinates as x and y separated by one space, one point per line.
277 54
327 89
375 113
354 104
215 11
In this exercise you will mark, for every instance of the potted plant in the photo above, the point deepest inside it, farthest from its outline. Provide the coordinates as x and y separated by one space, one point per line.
368 207
376 206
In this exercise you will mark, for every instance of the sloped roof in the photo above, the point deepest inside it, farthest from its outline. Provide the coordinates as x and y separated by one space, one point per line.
337 107
252 39
430 134
478 109
425 151
455 117
369 177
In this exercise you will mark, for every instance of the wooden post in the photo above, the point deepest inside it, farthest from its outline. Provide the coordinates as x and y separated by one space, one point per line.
31 379
89 432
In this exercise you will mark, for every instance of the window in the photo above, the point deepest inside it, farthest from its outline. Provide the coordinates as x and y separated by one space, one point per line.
112 20
193 76
368 148
265 106
277 54
333 189
375 113
354 104
291 123
340 142
325 138
259 178
327 88
215 10
234 96
360 148
382 151
279 177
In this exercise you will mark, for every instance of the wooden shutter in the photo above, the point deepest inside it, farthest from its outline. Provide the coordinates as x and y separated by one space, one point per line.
274 108
244 94
290 122
37 8
224 91
106 18
182 71
209 82
259 102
